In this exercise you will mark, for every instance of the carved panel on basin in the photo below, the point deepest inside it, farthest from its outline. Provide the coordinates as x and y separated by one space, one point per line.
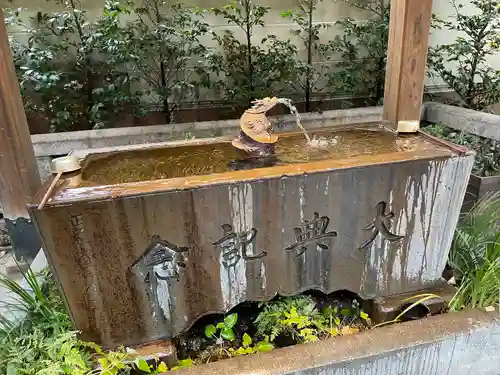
137 267
160 267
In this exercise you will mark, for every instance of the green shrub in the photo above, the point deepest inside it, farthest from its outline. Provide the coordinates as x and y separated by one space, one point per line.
272 321
44 343
166 49
299 318
363 49
74 73
41 343
463 64
311 76
247 70
475 256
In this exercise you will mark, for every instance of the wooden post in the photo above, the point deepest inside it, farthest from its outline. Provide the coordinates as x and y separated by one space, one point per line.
409 30
19 178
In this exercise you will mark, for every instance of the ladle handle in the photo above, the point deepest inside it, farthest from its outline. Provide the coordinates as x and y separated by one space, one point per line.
49 190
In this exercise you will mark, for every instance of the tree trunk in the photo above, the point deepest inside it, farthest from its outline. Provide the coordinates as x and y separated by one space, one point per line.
251 87
87 84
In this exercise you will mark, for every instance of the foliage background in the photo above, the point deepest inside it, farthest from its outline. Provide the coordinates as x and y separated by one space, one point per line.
347 59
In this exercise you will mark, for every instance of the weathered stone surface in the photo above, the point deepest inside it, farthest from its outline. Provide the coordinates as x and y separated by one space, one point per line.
475 122
143 261
62 143
43 163
4 237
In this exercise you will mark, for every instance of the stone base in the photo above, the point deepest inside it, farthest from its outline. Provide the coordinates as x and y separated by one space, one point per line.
388 308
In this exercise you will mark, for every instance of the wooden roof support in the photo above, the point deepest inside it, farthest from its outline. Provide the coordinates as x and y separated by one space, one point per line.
19 178
406 62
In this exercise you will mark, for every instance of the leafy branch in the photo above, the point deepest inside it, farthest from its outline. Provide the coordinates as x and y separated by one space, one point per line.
309 76
463 64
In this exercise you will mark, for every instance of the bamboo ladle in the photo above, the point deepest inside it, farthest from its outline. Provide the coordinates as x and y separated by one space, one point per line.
60 166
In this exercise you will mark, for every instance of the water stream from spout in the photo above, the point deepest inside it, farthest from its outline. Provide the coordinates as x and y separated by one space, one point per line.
293 111
320 142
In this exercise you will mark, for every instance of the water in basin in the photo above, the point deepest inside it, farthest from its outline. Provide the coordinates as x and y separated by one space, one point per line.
184 161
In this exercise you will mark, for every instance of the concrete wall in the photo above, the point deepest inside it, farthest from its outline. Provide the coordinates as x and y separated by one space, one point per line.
56 144
328 12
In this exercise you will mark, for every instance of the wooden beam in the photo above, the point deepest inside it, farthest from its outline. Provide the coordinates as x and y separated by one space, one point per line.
409 30
19 178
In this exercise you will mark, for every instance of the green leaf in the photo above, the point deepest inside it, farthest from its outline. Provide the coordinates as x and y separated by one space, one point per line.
162 367
220 325
346 312
142 365
230 320
110 371
328 311
247 340
228 334
185 363
210 331
364 315
264 346
104 362
237 352
249 350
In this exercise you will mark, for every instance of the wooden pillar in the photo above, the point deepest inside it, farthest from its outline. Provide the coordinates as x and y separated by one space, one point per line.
19 178
409 30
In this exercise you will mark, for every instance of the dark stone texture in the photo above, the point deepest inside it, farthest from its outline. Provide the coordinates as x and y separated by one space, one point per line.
26 242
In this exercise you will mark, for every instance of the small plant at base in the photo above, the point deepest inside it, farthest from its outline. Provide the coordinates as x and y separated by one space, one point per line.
36 353
247 348
44 343
302 327
331 321
223 330
336 322
112 363
143 366
284 315
43 307
299 317
223 334
183 363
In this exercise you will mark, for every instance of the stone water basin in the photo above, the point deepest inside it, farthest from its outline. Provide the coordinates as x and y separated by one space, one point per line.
156 236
